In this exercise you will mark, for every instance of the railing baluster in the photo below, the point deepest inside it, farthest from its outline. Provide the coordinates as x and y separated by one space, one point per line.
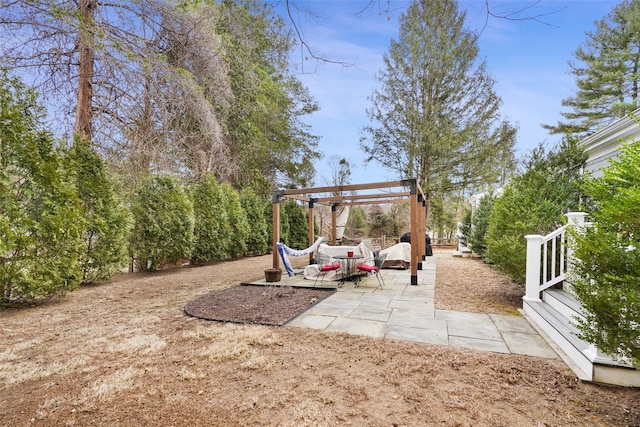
553 258
545 262
563 248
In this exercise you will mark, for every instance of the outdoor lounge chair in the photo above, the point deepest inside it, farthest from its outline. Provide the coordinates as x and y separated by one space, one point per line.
325 264
375 268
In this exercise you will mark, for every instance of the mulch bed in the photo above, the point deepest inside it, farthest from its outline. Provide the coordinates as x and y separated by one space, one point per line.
267 305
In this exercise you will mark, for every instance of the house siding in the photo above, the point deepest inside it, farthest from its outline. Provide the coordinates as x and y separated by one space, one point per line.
604 145
596 163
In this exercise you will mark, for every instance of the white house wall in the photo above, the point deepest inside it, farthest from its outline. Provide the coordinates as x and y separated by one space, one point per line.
605 143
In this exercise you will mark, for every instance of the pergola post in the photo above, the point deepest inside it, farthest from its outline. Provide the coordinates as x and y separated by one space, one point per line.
423 221
421 240
427 209
275 230
414 232
334 209
312 236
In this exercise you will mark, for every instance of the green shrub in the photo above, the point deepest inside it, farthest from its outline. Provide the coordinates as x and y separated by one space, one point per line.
163 215
212 230
237 221
606 273
108 222
298 224
533 203
285 227
294 223
480 224
267 209
465 228
40 215
258 240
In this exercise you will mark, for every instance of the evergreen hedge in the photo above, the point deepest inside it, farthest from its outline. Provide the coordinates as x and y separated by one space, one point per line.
465 227
606 273
479 225
534 203
297 222
212 231
108 222
40 216
163 230
237 221
258 242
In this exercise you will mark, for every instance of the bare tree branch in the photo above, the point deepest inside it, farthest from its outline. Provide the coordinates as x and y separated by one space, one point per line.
384 7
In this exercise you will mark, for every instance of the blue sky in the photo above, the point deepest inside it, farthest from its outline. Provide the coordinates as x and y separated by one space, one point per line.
528 59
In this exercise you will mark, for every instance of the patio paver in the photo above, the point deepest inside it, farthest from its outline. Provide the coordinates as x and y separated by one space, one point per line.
404 312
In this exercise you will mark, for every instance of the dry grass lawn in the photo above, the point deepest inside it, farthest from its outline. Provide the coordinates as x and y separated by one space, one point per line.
124 354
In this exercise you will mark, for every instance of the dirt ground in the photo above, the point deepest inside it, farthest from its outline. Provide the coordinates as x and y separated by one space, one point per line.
125 354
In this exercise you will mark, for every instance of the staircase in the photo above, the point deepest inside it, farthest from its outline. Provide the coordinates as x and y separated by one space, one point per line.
551 308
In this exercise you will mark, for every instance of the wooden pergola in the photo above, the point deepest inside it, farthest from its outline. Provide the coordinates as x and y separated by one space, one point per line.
414 196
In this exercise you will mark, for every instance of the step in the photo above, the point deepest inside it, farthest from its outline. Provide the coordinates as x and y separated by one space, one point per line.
576 353
559 322
563 335
564 302
570 308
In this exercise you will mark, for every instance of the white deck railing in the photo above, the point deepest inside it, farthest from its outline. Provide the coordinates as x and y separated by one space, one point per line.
548 258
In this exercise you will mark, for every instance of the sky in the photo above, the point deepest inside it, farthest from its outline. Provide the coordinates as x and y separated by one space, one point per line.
528 59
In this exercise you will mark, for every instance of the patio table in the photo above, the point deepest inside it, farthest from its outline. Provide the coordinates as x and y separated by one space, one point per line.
350 262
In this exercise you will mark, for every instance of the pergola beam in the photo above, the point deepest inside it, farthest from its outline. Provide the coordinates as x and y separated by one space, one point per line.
299 198
363 196
349 187
377 202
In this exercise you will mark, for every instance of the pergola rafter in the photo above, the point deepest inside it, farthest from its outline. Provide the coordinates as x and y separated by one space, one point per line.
415 196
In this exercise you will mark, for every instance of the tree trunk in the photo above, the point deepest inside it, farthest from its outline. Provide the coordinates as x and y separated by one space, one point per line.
84 111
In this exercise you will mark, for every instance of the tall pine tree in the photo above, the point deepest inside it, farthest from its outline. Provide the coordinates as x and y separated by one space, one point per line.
437 113
607 72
